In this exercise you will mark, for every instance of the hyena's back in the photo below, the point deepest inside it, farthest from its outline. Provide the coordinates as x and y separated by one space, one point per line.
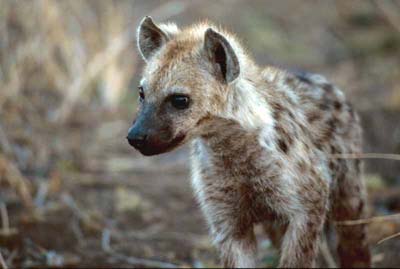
334 129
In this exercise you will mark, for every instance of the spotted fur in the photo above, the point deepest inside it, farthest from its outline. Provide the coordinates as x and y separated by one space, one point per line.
262 140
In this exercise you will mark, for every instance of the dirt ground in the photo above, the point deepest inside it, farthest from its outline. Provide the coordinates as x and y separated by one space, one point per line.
115 208
73 193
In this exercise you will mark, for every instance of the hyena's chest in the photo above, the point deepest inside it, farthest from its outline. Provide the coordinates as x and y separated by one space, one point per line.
239 161
241 180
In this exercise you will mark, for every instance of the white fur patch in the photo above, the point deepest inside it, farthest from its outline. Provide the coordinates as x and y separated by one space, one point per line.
247 106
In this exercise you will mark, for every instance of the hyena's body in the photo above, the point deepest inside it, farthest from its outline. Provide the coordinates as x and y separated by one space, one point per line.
263 141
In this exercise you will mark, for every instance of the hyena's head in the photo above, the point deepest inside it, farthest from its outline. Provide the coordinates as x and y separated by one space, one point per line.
184 84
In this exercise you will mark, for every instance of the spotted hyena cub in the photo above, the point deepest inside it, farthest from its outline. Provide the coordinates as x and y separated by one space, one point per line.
262 144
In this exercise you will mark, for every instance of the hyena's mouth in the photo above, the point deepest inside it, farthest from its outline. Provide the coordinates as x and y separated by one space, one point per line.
156 146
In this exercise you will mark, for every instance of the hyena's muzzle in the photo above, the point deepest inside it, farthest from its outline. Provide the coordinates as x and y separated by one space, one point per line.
151 135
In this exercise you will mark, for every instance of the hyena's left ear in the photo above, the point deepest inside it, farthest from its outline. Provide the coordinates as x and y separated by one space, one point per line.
222 55
150 37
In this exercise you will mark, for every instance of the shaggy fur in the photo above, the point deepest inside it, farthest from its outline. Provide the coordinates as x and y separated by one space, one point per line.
262 141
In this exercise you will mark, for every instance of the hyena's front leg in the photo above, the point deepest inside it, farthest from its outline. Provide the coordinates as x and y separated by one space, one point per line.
238 251
232 232
300 244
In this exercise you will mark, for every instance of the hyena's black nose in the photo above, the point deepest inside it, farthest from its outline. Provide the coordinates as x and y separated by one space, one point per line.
137 141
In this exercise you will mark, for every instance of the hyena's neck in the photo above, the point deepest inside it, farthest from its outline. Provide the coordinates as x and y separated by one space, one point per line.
247 104
247 124
229 146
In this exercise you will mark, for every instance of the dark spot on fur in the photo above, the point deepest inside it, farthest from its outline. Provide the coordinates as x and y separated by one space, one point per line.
332 125
337 105
331 165
328 132
285 136
333 150
283 146
302 167
324 106
318 145
303 76
360 207
314 116
278 110
290 80
313 173
327 87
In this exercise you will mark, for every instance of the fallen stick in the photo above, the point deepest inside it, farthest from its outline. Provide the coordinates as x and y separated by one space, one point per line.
106 246
369 220
81 215
5 222
16 180
388 238
395 157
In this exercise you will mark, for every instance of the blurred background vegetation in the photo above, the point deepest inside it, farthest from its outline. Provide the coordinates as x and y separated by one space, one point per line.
73 193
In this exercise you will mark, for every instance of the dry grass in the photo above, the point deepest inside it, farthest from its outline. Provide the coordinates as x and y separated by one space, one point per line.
70 47
382 156
65 71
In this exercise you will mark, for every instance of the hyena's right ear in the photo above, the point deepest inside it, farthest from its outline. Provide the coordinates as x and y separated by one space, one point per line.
151 37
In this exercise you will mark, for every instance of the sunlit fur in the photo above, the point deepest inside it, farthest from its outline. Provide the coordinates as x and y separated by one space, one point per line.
261 151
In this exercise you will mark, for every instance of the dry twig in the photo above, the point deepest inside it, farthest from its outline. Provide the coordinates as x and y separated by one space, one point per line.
85 218
388 238
5 227
16 180
369 220
106 246
395 157
11 257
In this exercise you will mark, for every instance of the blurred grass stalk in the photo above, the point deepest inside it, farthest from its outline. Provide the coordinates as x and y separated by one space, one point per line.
80 49
80 52
64 40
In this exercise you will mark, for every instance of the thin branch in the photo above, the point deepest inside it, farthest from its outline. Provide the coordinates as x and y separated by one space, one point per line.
81 215
395 157
16 180
369 220
142 262
5 221
388 238
11 257
3 262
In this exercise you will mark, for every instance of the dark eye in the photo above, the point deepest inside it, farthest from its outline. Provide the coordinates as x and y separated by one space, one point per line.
141 93
180 101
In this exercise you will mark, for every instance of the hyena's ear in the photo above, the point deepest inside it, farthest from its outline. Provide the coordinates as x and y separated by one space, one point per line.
150 38
222 55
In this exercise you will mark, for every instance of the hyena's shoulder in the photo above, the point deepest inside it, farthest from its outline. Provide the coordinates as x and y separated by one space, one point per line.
315 103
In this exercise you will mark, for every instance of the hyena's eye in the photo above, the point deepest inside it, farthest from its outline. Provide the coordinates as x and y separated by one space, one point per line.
141 93
180 101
